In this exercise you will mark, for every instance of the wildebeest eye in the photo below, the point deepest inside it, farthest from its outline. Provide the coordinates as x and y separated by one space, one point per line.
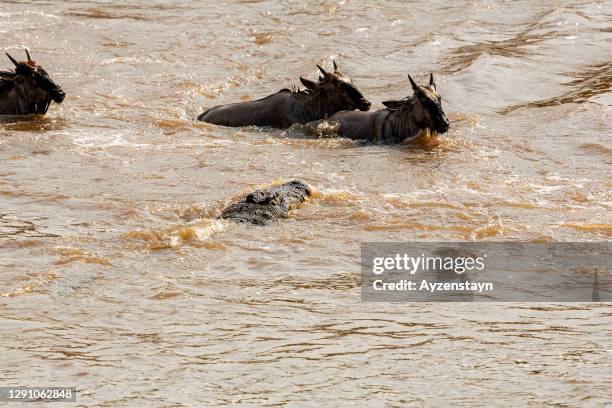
43 79
351 91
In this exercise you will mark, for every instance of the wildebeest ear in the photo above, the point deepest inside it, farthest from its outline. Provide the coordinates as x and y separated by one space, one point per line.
393 105
308 83
335 65
415 87
431 81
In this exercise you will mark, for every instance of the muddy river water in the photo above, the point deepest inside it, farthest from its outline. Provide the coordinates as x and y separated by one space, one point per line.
116 279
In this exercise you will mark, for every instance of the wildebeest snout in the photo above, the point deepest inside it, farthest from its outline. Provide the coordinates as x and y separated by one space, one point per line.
58 95
364 105
443 124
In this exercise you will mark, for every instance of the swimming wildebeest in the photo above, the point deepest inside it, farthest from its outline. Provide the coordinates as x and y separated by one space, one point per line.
262 207
402 120
332 93
27 89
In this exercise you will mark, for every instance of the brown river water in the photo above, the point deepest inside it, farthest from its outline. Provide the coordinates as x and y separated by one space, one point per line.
116 279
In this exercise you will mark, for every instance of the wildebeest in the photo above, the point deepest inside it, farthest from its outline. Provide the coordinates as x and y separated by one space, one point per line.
332 93
27 89
262 207
402 120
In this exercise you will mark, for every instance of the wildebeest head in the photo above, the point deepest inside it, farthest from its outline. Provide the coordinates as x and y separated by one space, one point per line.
32 85
426 106
339 89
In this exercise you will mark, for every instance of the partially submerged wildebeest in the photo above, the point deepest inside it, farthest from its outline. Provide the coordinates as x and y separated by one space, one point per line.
262 207
27 89
334 92
402 120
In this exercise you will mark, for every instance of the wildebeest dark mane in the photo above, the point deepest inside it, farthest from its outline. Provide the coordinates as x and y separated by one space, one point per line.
6 81
404 124
296 90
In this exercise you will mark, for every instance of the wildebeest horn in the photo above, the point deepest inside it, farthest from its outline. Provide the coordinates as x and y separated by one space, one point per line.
28 54
415 87
322 70
335 65
431 81
12 59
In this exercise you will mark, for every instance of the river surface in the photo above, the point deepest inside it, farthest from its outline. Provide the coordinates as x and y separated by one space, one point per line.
116 279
